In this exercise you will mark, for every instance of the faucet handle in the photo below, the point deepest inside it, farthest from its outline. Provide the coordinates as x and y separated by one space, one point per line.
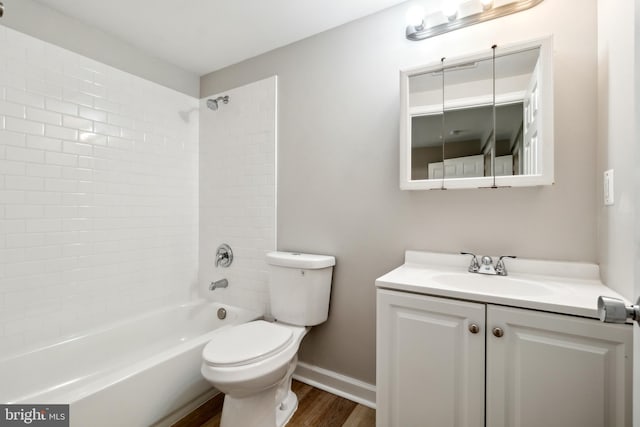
474 267
224 255
500 267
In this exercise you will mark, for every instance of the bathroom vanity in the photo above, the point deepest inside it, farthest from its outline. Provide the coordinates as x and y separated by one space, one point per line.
461 349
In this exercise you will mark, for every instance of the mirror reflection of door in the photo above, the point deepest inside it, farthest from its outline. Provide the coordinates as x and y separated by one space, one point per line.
531 124
516 113
463 147
425 109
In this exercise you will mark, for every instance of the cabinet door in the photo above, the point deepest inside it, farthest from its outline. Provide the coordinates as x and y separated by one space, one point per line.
557 371
430 366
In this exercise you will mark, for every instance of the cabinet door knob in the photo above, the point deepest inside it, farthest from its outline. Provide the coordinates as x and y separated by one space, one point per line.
474 328
498 332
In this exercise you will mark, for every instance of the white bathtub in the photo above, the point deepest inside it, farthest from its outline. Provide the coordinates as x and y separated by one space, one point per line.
137 372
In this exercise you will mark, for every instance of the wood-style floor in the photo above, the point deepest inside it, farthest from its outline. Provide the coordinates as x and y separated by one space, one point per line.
316 408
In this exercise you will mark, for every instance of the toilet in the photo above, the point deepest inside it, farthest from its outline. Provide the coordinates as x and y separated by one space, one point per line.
252 363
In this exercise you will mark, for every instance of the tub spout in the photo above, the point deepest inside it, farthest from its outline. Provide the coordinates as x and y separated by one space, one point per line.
222 283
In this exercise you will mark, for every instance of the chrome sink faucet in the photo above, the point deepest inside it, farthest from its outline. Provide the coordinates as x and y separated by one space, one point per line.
474 267
501 269
485 266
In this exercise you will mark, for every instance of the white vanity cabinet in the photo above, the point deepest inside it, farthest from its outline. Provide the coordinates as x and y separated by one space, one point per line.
430 368
443 362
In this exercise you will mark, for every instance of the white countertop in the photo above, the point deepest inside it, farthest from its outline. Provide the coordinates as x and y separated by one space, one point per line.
558 287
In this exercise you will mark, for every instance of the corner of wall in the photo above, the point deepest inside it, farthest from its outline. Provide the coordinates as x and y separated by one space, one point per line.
615 146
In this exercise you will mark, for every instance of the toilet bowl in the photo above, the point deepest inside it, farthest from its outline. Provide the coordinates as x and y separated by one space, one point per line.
253 363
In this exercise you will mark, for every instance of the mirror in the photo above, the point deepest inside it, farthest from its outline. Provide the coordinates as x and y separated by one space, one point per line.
477 121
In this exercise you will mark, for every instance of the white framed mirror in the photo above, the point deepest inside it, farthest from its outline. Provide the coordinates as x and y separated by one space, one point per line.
477 121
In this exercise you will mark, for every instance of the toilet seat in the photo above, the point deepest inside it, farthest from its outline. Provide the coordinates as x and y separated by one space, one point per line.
239 374
246 344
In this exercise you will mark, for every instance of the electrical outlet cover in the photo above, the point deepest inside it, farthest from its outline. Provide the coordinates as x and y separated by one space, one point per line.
608 188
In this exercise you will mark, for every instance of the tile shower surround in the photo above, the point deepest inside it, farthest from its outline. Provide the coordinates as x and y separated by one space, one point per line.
238 191
98 193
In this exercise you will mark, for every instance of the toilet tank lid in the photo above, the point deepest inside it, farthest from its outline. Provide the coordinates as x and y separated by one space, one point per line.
300 260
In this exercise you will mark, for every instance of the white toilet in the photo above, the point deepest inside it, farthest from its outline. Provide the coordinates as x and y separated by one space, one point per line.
252 363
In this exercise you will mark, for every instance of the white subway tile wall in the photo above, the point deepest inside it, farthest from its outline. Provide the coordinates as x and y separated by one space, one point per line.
98 193
238 192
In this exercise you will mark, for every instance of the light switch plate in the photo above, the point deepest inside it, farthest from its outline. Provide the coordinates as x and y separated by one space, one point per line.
608 188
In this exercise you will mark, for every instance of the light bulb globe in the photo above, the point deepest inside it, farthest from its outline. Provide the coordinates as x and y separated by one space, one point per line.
415 16
486 4
450 9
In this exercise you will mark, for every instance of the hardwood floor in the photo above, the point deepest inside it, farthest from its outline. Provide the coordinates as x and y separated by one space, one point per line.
316 408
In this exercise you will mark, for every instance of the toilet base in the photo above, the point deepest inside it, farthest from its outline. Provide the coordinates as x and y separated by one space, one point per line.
286 409
258 410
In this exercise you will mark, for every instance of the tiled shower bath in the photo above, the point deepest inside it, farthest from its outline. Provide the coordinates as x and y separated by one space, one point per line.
238 192
98 193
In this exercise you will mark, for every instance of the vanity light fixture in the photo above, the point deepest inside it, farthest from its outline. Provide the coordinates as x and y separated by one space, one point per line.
452 17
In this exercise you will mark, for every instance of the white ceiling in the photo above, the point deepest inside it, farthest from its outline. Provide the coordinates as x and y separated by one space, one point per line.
205 35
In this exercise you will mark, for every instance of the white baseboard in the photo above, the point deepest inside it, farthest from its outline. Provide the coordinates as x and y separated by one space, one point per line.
338 384
324 379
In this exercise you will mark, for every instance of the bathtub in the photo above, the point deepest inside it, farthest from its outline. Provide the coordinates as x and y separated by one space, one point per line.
138 372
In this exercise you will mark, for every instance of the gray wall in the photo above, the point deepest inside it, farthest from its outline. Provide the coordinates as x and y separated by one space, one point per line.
617 143
34 19
338 183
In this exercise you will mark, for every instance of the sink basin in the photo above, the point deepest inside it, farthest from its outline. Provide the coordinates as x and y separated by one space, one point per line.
497 285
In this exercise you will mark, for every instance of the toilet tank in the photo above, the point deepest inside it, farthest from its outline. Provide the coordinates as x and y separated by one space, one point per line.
299 287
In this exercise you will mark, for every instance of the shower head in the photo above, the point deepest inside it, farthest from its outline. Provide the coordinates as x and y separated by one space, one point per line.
212 104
